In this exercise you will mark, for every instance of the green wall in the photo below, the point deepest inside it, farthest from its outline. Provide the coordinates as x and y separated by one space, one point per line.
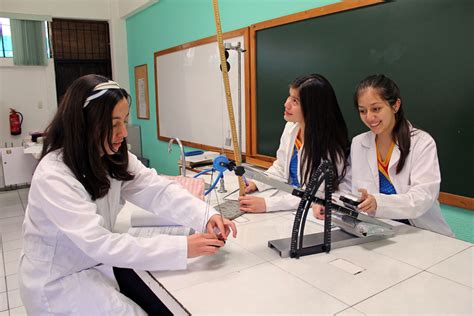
173 22
461 221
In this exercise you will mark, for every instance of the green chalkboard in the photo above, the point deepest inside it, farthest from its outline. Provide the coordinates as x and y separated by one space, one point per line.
426 46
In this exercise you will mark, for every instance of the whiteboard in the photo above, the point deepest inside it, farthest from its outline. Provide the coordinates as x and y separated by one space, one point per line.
191 103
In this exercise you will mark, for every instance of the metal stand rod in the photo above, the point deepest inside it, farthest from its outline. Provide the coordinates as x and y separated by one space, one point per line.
238 48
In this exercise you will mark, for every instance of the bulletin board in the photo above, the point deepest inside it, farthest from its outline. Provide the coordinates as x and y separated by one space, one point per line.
141 91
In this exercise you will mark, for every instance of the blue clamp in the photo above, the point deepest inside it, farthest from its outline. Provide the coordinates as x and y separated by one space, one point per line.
193 153
219 164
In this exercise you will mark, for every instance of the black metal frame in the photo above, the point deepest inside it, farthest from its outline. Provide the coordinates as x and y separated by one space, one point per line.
324 173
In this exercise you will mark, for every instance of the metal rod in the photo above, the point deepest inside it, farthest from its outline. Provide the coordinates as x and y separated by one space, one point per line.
239 95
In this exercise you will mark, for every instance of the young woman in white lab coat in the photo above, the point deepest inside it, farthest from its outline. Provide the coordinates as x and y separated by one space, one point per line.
315 130
395 165
83 178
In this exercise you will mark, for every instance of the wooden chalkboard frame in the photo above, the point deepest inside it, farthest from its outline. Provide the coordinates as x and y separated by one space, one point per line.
265 161
253 156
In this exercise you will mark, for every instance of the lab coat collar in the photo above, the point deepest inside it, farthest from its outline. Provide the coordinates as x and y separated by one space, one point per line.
395 157
295 129
294 133
369 142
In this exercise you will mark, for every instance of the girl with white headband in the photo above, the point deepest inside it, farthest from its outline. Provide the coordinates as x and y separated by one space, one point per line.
79 186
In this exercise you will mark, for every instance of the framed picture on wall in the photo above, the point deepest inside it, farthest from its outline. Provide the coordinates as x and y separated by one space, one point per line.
141 91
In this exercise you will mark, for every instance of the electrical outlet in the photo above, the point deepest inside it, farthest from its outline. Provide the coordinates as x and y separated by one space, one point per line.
40 104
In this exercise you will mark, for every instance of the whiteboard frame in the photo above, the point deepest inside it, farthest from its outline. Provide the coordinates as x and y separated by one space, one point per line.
159 79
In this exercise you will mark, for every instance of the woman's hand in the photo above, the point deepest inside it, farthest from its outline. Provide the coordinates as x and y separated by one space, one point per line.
203 245
221 227
368 204
252 204
318 211
251 187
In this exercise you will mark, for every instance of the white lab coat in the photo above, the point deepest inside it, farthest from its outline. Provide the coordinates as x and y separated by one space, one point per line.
280 170
69 247
417 185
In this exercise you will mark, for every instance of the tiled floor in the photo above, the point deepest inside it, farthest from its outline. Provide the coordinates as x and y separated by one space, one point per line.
12 213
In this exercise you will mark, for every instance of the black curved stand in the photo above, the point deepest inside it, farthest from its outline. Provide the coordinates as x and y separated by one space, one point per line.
297 247
300 245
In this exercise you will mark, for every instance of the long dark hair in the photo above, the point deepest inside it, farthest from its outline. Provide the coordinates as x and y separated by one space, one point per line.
388 90
325 131
80 133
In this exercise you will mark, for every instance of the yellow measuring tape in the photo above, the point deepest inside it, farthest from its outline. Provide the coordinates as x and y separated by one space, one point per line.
230 108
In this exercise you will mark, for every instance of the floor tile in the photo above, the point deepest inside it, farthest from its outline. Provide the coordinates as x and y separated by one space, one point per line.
11 223
12 206
9 198
11 227
12 235
14 299
3 301
11 267
12 282
12 211
23 193
19 311
13 255
12 245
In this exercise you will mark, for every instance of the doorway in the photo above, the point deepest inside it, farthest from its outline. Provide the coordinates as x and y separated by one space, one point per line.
80 47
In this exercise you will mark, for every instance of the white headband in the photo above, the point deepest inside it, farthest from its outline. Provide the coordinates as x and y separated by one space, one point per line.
102 88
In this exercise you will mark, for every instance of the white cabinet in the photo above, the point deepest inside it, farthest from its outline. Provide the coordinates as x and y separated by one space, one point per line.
18 167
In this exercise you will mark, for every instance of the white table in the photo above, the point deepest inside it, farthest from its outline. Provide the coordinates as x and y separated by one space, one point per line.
34 149
414 272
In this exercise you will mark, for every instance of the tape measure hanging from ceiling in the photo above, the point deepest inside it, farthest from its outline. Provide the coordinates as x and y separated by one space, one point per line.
230 108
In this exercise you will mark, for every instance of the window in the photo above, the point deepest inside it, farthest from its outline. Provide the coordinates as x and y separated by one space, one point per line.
6 50
47 28
5 38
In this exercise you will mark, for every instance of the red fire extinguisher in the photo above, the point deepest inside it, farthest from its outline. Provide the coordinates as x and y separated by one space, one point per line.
16 118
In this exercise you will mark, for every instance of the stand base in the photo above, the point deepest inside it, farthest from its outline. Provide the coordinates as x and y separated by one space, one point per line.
339 239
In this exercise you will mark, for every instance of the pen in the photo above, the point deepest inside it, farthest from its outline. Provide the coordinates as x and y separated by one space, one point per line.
245 181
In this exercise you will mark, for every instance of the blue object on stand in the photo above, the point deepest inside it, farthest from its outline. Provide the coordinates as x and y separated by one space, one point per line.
219 164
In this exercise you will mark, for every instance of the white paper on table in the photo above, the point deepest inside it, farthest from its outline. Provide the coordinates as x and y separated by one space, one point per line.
160 230
234 195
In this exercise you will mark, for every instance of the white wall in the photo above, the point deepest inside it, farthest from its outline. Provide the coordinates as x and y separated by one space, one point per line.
84 9
32 90
130 7
29 90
